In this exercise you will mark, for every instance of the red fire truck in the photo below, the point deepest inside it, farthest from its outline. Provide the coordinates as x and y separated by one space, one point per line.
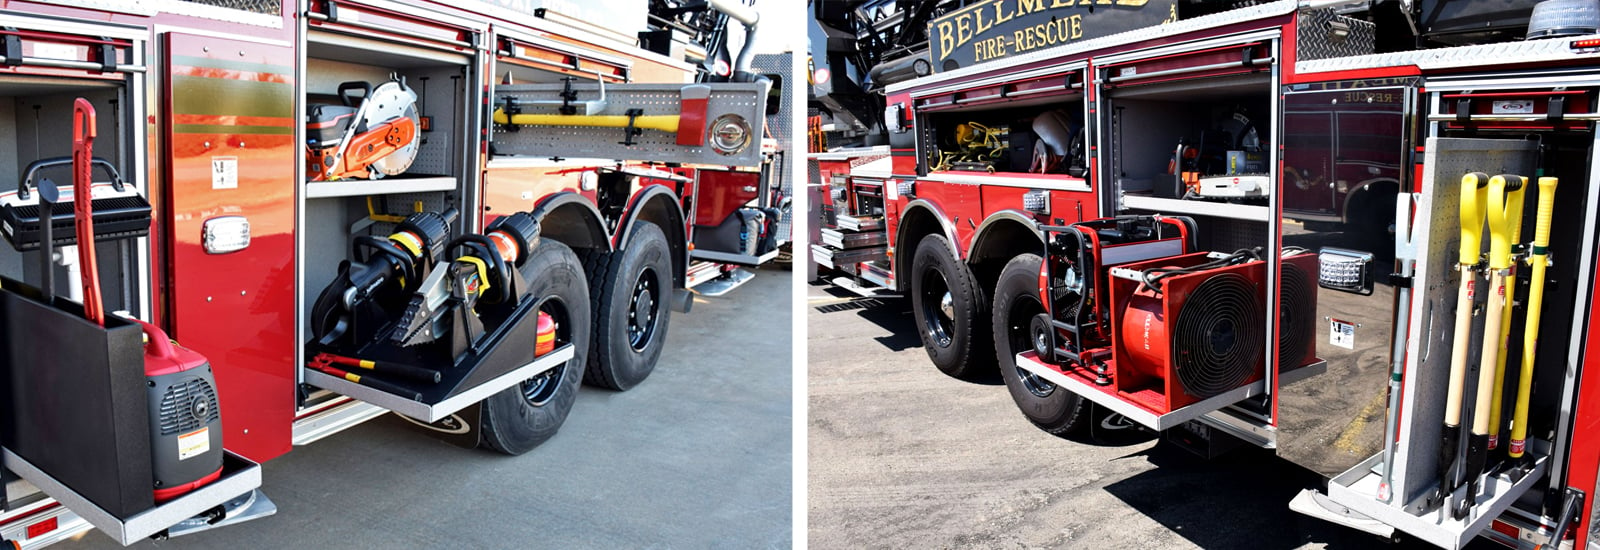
1296 225
455 211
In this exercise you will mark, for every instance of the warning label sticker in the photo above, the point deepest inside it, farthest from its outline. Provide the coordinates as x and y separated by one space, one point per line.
1341 334
224 172
194 443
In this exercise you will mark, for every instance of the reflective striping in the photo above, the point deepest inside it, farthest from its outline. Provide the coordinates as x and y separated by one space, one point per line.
235 130
198 95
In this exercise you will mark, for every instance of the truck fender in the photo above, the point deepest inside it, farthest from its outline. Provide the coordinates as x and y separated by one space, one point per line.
572 219
659 205
998 223
913 221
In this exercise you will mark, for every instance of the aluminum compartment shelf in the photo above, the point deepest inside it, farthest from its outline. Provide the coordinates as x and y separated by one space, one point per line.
239 477
1107 397
432 412
843 258
842 240
1197 207
862 223
385 186
746 260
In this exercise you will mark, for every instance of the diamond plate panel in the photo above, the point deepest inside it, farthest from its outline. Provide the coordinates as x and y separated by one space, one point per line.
1503 54
1317 39
747 100
269 7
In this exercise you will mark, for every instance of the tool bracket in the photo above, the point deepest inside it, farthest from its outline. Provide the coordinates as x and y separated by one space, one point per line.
631 131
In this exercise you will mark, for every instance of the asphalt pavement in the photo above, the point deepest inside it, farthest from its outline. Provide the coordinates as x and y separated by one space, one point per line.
698 456
903 456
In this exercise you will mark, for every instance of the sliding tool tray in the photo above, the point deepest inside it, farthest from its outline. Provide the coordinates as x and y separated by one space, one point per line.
502 359
240 476
1132 408
75 418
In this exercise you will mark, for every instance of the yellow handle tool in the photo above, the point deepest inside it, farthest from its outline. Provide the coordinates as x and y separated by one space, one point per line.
1505 193
1500 243
1474 193
665 123
1537 257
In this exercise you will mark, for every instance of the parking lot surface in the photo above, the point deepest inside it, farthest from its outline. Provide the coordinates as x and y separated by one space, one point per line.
903 456
698 456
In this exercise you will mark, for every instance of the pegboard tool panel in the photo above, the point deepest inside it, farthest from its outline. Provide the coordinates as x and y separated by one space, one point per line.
598 127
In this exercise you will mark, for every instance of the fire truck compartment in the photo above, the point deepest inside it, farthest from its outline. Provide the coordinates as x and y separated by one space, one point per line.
1221 126
1436 229
1039 134
35 124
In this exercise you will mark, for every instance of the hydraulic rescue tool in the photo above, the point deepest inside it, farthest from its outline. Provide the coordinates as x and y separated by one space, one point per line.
1499 266
1538 260
372 136
414 320
1474 193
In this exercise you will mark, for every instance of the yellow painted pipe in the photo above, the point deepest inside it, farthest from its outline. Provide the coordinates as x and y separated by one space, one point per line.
1537 257
665 123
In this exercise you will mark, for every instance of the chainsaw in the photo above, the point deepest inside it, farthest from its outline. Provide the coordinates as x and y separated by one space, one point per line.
371 136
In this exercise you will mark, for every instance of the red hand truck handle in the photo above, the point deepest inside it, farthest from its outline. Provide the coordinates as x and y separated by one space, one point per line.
83 132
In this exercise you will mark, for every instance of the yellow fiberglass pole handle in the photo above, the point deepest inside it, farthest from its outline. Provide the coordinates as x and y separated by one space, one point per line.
1538 254
1505 232
665 123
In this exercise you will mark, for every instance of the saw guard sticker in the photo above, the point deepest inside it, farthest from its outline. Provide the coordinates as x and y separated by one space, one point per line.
194 443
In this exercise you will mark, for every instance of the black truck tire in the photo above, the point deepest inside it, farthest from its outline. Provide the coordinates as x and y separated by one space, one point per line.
950 310
631 291
520 418
1016 303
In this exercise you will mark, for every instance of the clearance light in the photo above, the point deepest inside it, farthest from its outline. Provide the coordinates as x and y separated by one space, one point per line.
1587 44
907 188
1037 201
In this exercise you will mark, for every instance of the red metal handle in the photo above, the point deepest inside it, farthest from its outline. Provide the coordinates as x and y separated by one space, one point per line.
83 132
160 345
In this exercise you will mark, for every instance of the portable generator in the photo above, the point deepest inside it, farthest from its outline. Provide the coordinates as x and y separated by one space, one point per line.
185 421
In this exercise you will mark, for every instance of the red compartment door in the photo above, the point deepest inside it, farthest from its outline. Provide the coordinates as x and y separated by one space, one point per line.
229 131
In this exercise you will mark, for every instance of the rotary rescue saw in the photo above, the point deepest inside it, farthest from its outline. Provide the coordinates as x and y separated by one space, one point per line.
371 136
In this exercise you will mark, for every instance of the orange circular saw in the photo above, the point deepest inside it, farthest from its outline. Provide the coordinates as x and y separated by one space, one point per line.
371 136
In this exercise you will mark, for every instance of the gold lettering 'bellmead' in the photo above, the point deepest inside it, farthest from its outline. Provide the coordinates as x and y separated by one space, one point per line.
967 27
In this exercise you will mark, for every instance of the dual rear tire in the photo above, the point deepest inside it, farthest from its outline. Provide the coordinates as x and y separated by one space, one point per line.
613 307
965 333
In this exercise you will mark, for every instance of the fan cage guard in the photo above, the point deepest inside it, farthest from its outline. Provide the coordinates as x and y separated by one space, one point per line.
1216 340
1297 310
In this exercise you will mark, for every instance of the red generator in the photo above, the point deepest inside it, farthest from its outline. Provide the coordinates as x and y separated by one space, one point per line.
1190 327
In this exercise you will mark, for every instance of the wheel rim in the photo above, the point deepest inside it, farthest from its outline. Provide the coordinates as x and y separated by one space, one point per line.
543 386
1019 321
643 310
938 308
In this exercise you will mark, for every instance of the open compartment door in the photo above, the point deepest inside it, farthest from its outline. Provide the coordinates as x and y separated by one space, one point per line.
1413 505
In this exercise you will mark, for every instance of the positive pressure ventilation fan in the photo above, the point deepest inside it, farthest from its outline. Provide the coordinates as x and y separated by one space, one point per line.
1196 331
